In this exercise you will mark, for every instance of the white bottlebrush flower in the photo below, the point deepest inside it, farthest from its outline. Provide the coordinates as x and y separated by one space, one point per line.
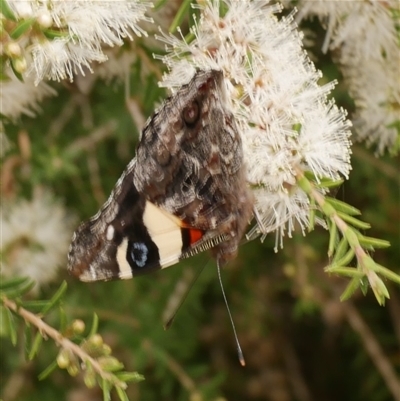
18 97
35 237
363 37
80 29
283 115
60 59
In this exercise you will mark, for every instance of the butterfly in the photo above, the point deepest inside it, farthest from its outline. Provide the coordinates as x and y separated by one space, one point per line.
183 193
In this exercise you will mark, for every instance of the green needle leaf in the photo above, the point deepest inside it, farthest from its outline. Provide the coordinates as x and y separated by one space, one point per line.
121 394
341 249
350 289
28 340
22 27
342 206
374 243
11 326
6 10
333 237
106 390
389 274
311 224
13 282
346 259
129 376
53 34
48 370
354 222
95 325
37 342
180 15
55 298
345 271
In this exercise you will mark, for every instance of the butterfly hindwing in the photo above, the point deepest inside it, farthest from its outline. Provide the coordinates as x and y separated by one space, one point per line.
140 238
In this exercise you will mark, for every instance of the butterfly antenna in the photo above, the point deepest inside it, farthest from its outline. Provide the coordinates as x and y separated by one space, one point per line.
239 349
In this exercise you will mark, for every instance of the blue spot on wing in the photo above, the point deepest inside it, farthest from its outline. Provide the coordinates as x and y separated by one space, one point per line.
139 253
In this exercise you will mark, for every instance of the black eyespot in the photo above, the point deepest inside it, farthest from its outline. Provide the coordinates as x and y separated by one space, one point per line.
191 113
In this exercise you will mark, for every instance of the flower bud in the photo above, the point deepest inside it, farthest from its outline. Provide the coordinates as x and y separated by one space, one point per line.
44 19
90 379
12 49
20 65
63 359
106 349
96 340
73 369
78 326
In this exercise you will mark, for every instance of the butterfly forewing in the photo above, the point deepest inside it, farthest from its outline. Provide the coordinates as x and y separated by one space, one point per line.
185 191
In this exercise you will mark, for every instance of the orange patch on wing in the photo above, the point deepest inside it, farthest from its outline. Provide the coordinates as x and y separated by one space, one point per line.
195 235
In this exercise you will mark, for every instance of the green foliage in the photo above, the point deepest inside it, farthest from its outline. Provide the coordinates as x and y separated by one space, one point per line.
352 244
78 353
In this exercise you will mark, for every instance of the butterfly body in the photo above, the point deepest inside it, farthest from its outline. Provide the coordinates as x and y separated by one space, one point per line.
185 191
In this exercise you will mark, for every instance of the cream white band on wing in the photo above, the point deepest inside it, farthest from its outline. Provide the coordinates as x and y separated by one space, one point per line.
125 270
165 231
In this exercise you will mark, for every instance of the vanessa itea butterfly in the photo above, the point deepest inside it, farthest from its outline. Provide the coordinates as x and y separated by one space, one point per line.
185 191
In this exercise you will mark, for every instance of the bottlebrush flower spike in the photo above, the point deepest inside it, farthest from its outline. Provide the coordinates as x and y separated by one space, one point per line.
68 35
284 117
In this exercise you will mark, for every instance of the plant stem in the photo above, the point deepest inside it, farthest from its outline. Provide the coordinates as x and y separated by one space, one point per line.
63 342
